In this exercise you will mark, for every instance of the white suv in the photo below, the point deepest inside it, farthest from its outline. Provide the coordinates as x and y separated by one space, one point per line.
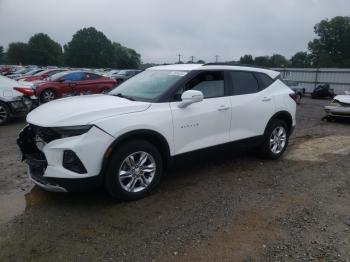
124 139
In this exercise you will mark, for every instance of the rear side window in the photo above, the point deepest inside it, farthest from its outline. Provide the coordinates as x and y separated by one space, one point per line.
91 76
244 83
264 80
210 83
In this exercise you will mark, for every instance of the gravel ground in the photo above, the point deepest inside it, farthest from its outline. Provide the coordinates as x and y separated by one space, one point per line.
219 207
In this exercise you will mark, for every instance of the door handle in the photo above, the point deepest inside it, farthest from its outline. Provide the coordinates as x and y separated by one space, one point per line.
266 99
223 108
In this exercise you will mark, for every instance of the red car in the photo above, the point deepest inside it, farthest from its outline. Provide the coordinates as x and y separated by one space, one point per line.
72 83
41 75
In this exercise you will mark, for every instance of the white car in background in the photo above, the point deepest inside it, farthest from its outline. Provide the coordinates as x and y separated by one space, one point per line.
16 99
123 140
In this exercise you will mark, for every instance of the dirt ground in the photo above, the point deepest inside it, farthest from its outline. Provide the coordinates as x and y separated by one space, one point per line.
221 207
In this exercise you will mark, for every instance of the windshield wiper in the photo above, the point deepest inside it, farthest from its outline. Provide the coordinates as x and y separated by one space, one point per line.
123 96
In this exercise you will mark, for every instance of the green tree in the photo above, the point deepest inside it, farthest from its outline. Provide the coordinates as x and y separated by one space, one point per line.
17 53
332 47
277 60
262 61
125 58
89 48
246 60
200 61
44 51
301 60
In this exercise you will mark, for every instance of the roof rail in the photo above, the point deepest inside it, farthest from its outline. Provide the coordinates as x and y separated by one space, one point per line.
236 64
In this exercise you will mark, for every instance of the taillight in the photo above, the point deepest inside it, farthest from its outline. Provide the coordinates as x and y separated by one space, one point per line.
293 96
25 91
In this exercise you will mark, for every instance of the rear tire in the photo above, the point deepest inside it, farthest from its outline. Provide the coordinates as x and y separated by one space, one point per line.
275 139
4 113
47 95
133 170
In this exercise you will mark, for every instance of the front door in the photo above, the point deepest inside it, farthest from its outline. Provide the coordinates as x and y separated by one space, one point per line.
205 123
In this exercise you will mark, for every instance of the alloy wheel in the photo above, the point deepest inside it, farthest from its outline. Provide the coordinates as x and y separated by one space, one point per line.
137 171
48 95
278 140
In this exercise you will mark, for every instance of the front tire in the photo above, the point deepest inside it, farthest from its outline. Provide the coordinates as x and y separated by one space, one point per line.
275 139
4 113
133 170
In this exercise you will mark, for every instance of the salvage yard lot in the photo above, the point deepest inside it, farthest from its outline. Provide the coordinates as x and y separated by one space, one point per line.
222 207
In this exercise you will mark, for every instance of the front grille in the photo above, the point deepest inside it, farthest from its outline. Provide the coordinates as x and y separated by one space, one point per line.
35 159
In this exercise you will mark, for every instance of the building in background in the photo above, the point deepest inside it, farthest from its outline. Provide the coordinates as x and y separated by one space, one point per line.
338 79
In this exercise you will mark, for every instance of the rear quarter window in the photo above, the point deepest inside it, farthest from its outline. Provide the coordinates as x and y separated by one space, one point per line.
264 80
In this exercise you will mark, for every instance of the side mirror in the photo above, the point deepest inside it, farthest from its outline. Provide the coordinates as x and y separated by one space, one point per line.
189 97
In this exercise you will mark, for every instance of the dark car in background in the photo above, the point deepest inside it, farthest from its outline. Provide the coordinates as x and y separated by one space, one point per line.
72 83
41 75
297 88
323 91
123 75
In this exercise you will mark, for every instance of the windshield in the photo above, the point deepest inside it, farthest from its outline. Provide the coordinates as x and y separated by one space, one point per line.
122 72
148 85
57 76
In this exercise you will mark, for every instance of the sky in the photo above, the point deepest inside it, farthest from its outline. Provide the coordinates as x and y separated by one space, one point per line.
161 29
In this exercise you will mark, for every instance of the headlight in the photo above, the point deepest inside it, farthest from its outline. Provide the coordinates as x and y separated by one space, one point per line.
69 131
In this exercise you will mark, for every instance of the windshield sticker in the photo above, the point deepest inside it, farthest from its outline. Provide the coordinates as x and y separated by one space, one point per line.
178 73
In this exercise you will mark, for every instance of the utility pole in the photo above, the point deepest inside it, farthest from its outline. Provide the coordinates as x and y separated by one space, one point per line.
192 58
217 58
179 55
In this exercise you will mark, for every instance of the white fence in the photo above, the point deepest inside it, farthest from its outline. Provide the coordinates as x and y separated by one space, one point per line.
338 79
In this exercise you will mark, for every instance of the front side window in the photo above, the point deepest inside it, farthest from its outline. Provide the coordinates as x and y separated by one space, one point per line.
210 83
244 83
75 76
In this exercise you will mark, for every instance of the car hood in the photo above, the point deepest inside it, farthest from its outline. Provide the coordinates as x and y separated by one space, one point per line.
82 110
343 99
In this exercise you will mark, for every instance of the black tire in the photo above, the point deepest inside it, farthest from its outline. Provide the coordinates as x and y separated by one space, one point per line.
47 95
5 113
117 162
266 150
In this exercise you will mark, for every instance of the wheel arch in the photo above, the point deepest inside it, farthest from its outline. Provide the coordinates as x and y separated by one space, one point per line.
153 137
284 116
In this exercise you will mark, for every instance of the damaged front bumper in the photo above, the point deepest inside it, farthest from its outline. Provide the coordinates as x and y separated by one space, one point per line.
338 109
23 105
44 151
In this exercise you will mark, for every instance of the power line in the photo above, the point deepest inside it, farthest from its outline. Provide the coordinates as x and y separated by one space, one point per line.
192 58
217 58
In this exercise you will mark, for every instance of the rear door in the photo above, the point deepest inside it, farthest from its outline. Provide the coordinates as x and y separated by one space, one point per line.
71 80
252 104
205 123
91 84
